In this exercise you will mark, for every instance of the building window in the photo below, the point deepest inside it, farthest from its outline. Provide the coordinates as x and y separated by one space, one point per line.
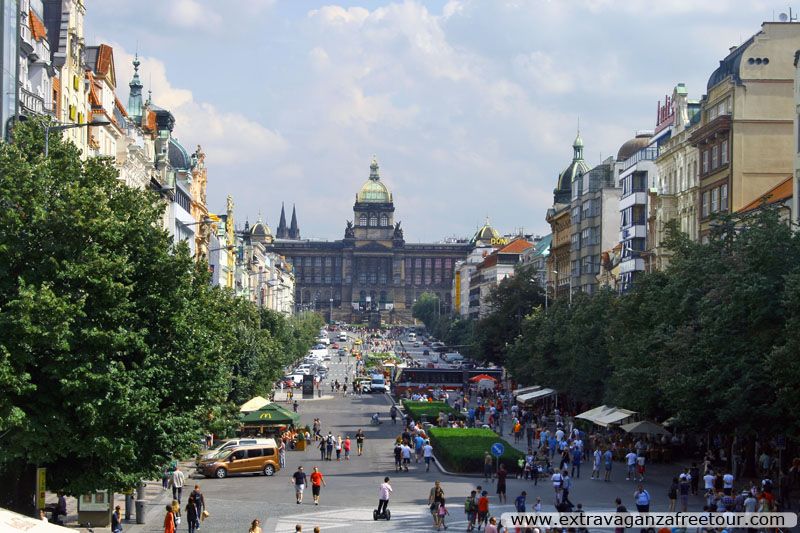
384 220
705 161
723 197
723 153
362 220
714 157
576 215
373 220
576 242
576 268
714 200
704 212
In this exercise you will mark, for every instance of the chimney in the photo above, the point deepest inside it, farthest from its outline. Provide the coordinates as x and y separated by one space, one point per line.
732 48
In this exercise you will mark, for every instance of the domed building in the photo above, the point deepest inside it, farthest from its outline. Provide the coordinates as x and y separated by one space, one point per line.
631 146
486 236
372 275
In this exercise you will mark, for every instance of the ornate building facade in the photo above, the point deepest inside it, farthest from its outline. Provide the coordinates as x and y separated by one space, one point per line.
372 273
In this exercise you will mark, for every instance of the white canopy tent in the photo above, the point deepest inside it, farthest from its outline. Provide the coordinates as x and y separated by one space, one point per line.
535 395
253 404
606 415
11 521
525 390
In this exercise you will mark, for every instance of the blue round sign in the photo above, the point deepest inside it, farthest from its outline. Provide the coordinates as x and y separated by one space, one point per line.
498 449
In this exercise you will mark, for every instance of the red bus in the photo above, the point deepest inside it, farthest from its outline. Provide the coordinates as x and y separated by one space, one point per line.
430 379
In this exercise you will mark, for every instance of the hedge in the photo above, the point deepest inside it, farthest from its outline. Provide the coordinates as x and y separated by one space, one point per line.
462 449
430 410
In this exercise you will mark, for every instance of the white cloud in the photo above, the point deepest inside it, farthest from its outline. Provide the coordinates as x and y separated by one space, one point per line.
340 16
227 137
191 14
544 73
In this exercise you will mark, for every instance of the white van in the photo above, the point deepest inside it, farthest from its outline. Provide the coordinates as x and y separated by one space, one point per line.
412 336
377 384
343 337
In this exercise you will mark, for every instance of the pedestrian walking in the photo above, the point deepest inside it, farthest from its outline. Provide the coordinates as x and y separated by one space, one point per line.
329 446
346 446
519 502
317 482
255 526
199 499
360 441
192 516
483 508
338 446
598 459
295 405
684 487
471 509
487 466
642 498
398 456
178 480
116 520
566 483
435 499
672 494
630 460
282 453
427 453
441 514
299 481
321 447
608 461
169 520
406 449
502 474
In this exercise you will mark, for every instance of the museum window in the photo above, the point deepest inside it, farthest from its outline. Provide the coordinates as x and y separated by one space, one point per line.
362 220
384 220
373 220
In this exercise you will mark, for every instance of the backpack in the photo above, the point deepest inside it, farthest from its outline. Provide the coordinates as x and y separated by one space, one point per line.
470 505
329 440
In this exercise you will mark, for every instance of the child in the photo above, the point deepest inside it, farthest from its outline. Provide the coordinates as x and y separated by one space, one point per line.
441 513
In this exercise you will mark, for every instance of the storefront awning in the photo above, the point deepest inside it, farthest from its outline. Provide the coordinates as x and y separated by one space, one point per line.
525 390
606 416
535 395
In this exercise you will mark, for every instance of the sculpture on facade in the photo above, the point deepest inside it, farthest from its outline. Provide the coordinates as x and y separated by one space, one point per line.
398 231
349 232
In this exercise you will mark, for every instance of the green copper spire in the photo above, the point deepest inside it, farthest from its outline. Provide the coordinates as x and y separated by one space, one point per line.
135 98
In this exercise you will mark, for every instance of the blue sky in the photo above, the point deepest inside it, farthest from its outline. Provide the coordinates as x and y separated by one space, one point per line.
470 106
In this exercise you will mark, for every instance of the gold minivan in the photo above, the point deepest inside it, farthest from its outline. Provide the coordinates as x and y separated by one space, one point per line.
249 459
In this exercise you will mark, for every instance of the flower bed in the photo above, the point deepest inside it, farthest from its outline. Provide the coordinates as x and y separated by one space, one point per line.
462 450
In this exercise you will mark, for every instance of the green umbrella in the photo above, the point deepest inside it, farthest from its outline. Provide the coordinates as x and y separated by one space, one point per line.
271 414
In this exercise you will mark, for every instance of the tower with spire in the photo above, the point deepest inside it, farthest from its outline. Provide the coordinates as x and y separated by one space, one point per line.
135 106
294 229
282 232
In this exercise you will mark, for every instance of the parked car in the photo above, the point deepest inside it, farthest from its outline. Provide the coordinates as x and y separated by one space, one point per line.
377 384
335 346
249 459
225 445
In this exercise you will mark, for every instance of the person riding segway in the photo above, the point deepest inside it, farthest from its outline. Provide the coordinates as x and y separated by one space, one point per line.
382 511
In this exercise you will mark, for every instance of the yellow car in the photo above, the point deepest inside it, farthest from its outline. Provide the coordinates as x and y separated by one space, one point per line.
358 342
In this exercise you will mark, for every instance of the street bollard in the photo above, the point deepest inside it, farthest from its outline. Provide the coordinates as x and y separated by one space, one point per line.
128 505
140 507
140 490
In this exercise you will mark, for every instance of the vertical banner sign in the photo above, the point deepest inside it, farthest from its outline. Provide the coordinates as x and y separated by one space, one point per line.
458 291
41 482
308 387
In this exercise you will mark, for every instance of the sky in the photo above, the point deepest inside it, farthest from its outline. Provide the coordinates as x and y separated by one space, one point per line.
471 106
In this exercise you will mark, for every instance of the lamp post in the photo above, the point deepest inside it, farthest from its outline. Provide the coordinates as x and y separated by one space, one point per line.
570 285
60 127
330 316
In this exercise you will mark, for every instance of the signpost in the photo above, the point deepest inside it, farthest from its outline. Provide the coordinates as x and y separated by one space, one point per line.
308 387
41 487
497 451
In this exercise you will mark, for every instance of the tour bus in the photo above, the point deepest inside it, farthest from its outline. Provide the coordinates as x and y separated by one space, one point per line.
430 379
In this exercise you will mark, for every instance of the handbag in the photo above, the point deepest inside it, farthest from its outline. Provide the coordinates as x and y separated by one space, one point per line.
177 520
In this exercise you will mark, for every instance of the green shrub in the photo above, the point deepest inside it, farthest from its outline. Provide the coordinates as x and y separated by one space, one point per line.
429 410
462 449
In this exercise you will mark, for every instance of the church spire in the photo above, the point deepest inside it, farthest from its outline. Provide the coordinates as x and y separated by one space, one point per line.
577 147
135 98
294 230
283 232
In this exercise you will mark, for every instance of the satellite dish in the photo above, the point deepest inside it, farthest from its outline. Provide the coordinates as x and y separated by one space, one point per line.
783 17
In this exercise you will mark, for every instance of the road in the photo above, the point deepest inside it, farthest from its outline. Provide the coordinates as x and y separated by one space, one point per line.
352 486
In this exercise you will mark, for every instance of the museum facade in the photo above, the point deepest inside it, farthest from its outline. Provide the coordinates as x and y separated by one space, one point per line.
372 273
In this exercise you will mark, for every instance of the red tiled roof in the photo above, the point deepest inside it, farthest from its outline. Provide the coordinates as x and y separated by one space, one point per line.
783 191
94 97
121 107
515 247
105 60
150 121
38 30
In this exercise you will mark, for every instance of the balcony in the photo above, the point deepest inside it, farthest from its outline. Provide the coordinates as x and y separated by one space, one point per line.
631 265
637 231
635 198
645 154
34 104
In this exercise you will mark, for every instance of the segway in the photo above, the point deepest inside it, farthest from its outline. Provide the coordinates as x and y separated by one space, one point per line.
385 515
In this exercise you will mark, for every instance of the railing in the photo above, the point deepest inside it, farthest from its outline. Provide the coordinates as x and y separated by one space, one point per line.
34 103
645 154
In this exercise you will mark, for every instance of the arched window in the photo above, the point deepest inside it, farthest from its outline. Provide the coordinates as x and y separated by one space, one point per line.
362 220
373 220
384 220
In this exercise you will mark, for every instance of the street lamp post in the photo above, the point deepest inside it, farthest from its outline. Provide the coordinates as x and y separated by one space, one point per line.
570 285
330 316
60 127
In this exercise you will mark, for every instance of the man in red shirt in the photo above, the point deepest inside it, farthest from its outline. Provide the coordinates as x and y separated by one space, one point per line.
317 482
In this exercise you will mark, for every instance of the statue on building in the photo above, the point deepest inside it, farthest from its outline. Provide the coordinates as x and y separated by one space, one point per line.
398 231
349 233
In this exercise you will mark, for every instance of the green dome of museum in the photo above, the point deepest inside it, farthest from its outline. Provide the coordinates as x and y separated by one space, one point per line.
373 190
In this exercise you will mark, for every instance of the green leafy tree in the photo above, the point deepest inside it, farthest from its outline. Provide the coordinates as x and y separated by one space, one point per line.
112 353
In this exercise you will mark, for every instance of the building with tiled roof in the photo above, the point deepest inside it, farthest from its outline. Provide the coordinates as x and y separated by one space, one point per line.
781 195
495 267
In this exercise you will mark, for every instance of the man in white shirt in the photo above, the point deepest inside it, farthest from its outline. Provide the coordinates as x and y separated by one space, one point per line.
630 458
383 496
558 481
727 483
406 453
598 458
178 479
427 453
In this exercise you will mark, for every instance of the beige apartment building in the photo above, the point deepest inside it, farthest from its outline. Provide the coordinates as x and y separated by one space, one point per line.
745 137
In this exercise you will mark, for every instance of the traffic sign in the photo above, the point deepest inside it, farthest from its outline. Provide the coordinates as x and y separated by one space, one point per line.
498 449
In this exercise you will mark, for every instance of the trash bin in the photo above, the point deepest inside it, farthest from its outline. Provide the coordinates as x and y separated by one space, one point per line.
140 508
